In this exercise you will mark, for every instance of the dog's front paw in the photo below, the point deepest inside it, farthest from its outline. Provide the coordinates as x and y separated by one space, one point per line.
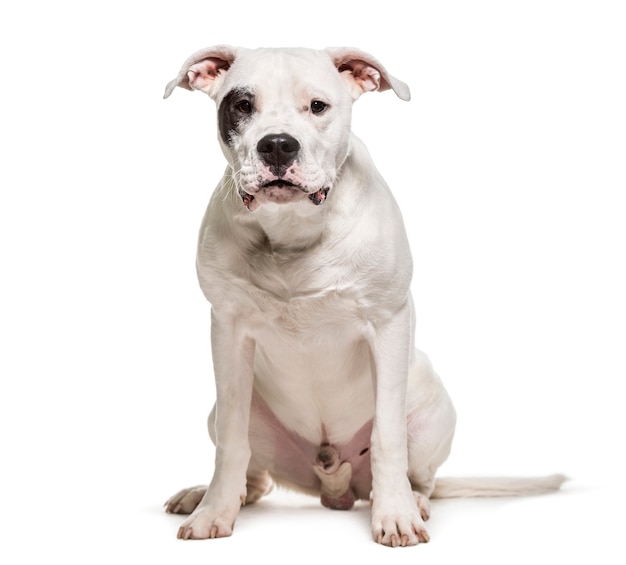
205 523
398 524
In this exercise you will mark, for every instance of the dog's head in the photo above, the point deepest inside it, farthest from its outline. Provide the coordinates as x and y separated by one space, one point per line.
284 114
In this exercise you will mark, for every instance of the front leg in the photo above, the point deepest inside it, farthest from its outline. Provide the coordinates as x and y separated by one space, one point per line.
396 518
233 357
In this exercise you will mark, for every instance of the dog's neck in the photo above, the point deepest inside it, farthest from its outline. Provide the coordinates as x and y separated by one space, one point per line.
290 227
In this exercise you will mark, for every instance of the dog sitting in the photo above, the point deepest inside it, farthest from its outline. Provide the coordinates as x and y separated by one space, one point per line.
304 258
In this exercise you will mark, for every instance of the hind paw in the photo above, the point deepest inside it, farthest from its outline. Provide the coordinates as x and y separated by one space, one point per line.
185 501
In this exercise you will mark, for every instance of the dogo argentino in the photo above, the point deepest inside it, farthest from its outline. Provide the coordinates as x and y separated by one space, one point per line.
304 258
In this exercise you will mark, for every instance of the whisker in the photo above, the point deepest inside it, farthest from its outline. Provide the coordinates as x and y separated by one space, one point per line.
232 181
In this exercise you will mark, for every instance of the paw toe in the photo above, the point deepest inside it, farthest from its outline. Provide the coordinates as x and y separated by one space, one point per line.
201 525
423 504
401 532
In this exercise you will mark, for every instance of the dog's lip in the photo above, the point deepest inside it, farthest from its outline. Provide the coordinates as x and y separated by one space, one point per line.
250 199
317 196
281 183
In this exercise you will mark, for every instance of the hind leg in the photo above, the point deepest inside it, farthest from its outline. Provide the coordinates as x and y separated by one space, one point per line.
259 483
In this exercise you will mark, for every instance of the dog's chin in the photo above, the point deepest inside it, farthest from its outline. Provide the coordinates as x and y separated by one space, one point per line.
281 192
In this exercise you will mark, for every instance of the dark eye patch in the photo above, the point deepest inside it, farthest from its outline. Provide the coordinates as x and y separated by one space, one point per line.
235 110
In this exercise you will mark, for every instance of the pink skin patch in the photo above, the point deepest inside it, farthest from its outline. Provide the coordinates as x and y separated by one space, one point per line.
340 473
249 201
318 197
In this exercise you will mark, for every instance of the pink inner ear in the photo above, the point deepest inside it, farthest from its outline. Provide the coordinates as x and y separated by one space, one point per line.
366 76
202 74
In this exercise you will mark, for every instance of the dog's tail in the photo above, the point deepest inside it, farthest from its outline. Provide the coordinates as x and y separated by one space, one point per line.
496 486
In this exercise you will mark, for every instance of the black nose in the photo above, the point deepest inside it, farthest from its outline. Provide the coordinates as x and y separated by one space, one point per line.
278 151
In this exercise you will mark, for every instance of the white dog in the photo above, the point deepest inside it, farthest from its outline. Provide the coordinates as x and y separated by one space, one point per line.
304 258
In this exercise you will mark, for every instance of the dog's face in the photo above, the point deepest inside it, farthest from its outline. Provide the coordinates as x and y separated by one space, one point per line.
284 125
284 115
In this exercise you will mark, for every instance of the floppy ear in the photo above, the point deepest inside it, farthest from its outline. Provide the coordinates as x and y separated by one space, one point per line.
204 70
364 73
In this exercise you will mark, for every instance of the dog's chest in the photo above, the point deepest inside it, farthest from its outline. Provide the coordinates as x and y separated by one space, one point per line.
312 363
306 301
309 313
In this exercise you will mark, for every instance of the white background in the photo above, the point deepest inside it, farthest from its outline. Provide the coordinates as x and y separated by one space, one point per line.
509 165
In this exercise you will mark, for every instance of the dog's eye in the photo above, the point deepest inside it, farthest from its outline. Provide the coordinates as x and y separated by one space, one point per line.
244 106
317 106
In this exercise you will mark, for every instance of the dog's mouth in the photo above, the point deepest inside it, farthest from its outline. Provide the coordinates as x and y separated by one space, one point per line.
280 183
281 191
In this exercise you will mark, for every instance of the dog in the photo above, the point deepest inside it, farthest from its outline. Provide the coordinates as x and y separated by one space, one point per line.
304 258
